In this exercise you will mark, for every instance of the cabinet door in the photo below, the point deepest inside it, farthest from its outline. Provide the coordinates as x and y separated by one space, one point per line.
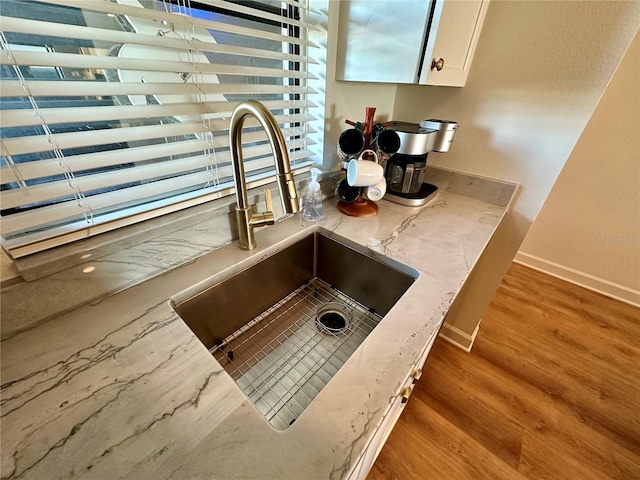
455 43
377 442
382 40
423 356
367 460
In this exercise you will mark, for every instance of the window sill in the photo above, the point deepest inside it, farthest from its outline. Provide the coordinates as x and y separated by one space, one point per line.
101 247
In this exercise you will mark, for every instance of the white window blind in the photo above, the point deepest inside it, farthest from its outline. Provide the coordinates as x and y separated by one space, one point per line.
115 111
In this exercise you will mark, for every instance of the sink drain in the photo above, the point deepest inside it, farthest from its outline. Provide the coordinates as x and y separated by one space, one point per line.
333 318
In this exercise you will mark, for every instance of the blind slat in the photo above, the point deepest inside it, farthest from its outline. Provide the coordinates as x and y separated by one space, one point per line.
121 156
64 141
76 88
253 12
90 161
139 64
41 143
52 116
183 20
52 190
305 5
61 30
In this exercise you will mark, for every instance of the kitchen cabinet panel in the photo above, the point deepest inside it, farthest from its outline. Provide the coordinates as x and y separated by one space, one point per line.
408 41
374 43
377 442
370 455
455 42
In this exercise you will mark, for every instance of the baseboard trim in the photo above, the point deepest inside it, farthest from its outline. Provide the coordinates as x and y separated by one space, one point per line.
457 337
582 279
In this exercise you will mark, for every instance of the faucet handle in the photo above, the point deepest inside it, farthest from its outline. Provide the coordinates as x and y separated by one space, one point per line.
267 200
264 218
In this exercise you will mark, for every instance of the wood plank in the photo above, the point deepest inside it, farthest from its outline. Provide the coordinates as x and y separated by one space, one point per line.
615 319
579 329
431 447
559 462
474 411
506 396
550 390
611 410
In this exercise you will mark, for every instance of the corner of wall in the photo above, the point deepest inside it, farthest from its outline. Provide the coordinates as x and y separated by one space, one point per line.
463 319
588 230
459 338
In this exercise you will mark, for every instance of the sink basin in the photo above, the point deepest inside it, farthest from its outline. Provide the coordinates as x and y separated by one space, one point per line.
284 326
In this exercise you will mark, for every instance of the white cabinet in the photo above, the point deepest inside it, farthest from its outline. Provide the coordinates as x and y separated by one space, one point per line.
430 42
381 41
455 43
377 442
372 451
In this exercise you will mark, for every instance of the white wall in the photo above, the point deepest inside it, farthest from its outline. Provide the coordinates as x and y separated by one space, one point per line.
539 70
588 230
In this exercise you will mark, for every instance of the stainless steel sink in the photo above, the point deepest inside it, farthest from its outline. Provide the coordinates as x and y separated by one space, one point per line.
284 326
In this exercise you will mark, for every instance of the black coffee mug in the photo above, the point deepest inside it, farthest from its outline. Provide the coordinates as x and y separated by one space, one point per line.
346 193
386 143
351 142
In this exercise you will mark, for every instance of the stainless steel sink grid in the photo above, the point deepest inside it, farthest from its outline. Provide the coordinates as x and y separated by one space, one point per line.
260 324
282 359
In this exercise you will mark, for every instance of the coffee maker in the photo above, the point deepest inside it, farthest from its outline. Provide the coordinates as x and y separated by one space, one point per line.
404 171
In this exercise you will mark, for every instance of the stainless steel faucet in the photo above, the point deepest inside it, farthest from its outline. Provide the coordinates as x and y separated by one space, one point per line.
247 220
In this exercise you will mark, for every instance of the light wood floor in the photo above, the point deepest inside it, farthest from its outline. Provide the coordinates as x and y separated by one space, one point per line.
551 390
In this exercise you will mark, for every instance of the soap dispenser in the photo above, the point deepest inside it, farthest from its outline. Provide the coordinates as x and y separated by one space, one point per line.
312 208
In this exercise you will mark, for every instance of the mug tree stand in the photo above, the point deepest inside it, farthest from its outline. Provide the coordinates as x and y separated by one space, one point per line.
361 208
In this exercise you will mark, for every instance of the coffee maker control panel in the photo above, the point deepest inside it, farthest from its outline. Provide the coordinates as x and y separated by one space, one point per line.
424 137
442 138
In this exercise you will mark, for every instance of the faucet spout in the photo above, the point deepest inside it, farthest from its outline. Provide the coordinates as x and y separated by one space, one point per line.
247 221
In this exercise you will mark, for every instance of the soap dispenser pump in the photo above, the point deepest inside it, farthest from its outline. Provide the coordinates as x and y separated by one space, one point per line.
312 208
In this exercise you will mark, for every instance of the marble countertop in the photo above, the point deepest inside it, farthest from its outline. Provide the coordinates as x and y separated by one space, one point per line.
121 388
